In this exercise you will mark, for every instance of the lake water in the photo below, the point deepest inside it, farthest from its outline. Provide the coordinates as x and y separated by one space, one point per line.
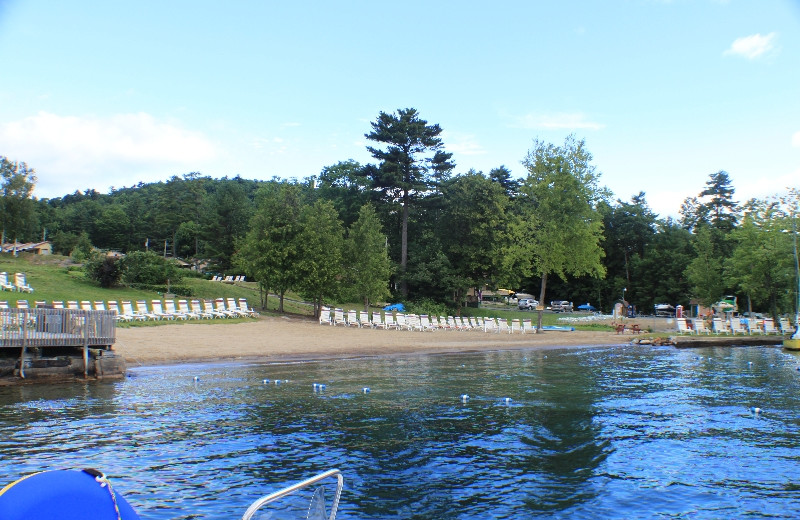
613 432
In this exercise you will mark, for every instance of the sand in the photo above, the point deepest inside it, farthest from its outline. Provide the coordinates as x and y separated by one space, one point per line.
285 338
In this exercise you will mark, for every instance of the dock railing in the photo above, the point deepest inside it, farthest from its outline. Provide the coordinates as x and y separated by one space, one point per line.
42 327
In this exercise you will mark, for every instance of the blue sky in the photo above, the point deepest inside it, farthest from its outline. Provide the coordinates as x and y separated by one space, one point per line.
98 94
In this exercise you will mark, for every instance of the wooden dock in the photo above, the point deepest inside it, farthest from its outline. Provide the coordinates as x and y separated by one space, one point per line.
698 341
49 340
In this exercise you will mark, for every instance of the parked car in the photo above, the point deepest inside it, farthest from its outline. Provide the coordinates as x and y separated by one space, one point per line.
561 306
527 304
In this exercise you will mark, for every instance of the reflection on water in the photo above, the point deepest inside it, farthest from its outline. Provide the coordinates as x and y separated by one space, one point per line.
588 433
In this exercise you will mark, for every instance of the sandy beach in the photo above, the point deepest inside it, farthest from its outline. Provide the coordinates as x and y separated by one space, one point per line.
287 338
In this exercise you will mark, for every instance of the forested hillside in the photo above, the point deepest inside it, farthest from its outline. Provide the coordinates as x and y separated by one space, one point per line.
412 227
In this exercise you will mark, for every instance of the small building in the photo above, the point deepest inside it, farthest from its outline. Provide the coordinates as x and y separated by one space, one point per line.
37 248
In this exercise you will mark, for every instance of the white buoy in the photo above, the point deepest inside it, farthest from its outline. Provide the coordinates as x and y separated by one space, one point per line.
507 400
756 410
266 381
196 379
322 387
464 397
365 389
277 381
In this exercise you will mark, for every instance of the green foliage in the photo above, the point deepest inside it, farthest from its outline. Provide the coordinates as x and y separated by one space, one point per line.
762 263
411 163
705 270
105 270
17 210
429 307
83 248
269 253
366 260
141 268
478 231
561 193
320 245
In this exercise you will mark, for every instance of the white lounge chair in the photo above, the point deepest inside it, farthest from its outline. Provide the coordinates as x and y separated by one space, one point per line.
427 324
21 284
502 325
528 327
246 309
769 326
719 326
183 308
683 326
402 323
86 305
197 308
58 304
325 316
219 306
489 325
389 321
786 327
377 322
516 326
5 284
338 317
352 319
363 319
700 326
114 307
737 327
208 308
158 310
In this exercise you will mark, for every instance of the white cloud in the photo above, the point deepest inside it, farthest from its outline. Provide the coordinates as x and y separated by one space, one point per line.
70 152
573 121
462 144
796 140
753 46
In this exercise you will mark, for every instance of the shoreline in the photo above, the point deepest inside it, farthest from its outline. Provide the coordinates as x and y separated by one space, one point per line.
287 339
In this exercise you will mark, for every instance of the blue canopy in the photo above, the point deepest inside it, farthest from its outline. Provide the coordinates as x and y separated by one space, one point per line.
586 307
399 307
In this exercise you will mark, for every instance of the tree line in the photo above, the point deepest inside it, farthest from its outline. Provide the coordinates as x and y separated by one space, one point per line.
409 228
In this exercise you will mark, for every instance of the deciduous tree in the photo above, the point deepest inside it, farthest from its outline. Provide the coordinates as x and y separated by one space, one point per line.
562 191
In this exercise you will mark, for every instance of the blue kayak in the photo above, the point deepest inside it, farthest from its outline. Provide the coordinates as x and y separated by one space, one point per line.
64 495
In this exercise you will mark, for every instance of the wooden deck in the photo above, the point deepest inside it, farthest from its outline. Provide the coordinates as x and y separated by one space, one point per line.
42 327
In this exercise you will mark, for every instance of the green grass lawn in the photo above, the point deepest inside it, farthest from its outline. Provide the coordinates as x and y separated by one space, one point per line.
55 277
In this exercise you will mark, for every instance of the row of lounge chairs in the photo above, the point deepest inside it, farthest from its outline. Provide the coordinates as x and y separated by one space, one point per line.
228 279
20 283
127 310
422 322
734 326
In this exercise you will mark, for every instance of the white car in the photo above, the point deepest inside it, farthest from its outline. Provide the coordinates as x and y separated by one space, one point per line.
526 304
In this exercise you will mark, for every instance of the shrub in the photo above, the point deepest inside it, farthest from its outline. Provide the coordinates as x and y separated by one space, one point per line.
147 268
104 270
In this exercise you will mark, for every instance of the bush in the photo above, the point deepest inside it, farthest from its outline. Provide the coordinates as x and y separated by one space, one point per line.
104 270
429 307
146 268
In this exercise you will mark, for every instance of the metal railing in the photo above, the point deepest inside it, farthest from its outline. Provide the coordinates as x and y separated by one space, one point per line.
255 506
41 327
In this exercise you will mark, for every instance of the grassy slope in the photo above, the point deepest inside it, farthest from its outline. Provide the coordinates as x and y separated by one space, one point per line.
57 278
